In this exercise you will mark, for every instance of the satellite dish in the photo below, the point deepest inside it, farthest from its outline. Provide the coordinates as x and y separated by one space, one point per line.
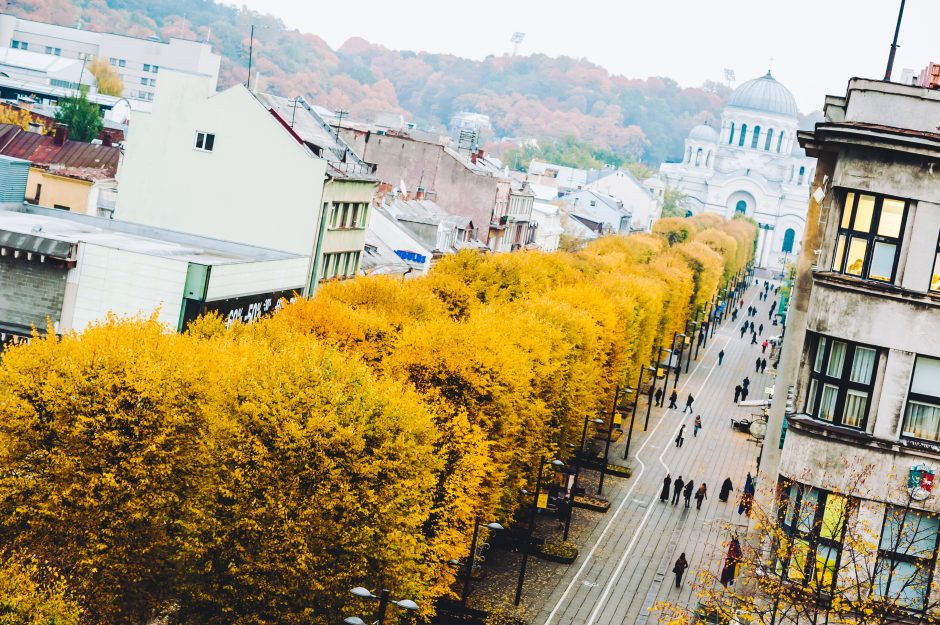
758 429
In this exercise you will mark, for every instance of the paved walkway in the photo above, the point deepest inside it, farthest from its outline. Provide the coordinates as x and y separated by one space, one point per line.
627 557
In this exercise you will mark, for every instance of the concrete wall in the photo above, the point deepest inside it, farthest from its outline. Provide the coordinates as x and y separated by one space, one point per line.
240 279
60 191
30 292
257 186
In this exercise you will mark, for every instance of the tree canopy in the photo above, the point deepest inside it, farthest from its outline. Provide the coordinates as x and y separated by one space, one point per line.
81 116
109 81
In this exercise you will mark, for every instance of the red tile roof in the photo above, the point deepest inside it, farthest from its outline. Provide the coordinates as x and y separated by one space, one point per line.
99 161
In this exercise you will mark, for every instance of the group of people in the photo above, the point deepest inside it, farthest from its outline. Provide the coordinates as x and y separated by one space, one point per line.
741 390
681 488
696 426
760 364
660 396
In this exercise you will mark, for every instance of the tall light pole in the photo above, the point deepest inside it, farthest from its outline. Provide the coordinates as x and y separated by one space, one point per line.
639 385
471 559
894 44
659 361
682 336
610 428
577 470
557 464
384 598
688 358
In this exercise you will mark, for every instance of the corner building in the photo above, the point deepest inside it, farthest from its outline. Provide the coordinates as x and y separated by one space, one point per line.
863 347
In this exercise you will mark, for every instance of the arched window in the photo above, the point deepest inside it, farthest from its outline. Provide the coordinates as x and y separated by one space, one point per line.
756 138
698 157
770 135
731 135
708 159
780 141
788 237
743 135
741 206
802 171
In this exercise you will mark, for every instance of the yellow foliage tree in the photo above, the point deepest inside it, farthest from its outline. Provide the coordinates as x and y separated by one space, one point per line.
109 81
12 115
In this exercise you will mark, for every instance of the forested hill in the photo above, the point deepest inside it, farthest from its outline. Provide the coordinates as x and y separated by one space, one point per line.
532 96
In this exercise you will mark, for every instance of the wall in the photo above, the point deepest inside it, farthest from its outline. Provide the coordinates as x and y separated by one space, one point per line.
258 186
60 190
30 291
239 279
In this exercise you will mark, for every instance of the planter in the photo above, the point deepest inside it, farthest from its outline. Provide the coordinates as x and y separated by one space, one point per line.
592 503
614 436
618 471
563 553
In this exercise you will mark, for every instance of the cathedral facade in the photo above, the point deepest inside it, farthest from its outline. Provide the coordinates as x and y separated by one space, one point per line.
752 165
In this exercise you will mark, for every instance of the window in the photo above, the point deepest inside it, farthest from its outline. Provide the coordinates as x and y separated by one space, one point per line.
788 238
841 380
922 416
334 213
869 237
113 61
741 207
756 137
698 161
57 51
363 214
155 68
802 173
48 49
814 521
143 81
122 63
344 215
770 136
205 141
354 215
17 45
146 67
935 276
779 141
731 135
906 556
153 82
743 135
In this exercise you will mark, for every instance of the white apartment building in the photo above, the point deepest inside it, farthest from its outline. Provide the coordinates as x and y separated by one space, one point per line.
137 60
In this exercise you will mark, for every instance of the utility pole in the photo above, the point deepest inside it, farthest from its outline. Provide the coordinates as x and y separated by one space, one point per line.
251 47
894 44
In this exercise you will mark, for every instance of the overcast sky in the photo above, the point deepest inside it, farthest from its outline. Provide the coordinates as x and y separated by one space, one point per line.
816 45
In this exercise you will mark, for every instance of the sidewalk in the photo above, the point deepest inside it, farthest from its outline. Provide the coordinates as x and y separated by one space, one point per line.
626 556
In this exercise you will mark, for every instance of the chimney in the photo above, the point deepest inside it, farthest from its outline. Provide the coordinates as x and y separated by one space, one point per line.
473 158
61 134
419 193
480 153
106 140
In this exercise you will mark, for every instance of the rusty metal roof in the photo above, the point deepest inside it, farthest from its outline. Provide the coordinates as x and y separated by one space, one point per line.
42 151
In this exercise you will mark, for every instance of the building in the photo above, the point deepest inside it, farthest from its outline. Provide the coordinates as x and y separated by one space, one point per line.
563 177
644 207
224 165
137 60
599 212
861 350
46 69
64 174
752 165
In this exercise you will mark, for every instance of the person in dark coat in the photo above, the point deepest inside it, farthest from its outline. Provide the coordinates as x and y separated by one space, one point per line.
721 356
763 364
667 482
698 425
677 489
746 382
737 392
659 396
757 365
744 393
744 329
753 338
687 493
731 562
680 438
672 400
688 403
700 495
760 329
679 569
726 488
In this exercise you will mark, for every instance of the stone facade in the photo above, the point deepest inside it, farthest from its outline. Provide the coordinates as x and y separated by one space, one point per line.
30 292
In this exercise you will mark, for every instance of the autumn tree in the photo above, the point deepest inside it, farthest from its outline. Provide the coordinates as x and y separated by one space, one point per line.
81 116
34 594
109 81
17 116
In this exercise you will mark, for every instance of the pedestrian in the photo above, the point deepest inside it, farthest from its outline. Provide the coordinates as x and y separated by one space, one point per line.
701 338
773 305
763 347
687 493
746 382
731 562
697 426
744 393
770 313
672 400
726 488
679 569
763 364
700 495
752 323
734 314
677 489
742 302
757 365
679 438
743 329
688 403
737 393
753 338
721 356
747 496
659 396
667 482
760 329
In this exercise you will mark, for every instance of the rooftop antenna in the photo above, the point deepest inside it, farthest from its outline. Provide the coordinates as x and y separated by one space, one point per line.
340 114
516 39
894 44
293 114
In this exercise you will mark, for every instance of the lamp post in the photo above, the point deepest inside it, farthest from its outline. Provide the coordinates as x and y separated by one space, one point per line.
471 559
702 338
535 502
610 428
639 385
688 358
676 335
384 599
577 470
649 404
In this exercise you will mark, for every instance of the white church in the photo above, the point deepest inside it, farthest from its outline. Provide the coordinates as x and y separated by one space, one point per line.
753 166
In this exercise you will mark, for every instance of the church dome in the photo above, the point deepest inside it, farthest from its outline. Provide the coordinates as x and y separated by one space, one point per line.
764 94
704 132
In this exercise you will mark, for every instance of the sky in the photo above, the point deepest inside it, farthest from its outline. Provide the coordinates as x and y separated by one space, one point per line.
812 46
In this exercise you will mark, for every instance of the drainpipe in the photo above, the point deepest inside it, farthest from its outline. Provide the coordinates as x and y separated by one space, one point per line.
315 261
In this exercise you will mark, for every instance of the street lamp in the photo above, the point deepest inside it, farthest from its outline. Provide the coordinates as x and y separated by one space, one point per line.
688 358
639 385
659 361
702 338
577 470
618 393
682 336
471 559
384 599
557 464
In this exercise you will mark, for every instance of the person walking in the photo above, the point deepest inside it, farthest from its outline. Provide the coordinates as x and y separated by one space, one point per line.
672 400
763 347
763 364
679 569
744 329
726 488
697 426
721 356
700 495
659 396
746 382
747 496
687 493
677 489
753 336
667 482
757 365
734 315
731 563
744 393
688 403
770 313
760 329
737 392
679 438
